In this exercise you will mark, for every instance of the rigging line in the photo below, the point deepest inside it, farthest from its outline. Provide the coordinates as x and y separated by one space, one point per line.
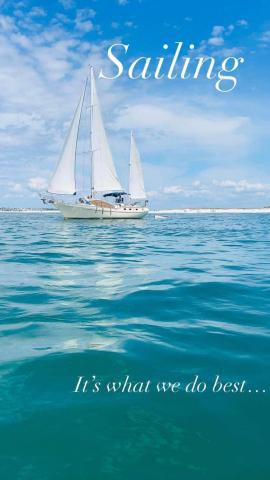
80 117
84 170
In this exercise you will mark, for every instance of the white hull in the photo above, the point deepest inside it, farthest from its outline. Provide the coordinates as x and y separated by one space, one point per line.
93 212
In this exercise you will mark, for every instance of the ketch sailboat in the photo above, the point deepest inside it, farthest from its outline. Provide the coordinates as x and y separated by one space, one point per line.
103 179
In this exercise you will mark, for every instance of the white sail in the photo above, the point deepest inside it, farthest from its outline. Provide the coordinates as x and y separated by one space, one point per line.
136 183
104 176
64 180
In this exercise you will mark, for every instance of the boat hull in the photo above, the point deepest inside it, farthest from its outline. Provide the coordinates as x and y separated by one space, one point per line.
92 212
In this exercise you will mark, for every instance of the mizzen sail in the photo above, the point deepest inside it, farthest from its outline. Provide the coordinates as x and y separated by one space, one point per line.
136 183
64 180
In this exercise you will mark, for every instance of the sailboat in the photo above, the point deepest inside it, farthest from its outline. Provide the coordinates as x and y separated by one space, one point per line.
103 181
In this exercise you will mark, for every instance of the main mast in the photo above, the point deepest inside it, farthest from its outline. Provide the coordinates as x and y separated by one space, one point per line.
91 132
103 174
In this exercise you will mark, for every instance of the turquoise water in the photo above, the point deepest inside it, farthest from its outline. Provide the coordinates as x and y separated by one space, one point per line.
152 299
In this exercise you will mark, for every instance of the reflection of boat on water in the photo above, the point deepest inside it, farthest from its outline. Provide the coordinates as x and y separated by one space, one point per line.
160 217
104 181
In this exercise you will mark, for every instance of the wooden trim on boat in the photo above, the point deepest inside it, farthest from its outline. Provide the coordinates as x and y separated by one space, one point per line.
101 204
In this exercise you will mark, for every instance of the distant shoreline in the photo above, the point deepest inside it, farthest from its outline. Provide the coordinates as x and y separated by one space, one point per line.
28 210
212 210
153 212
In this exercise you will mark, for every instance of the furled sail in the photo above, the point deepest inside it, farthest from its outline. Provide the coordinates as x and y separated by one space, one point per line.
104 176
136 183
64 179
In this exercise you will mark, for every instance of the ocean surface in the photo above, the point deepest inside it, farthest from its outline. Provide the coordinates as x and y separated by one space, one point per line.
158 300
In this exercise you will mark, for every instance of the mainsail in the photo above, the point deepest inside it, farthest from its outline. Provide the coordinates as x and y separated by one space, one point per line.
136 183
103 174
64 180
104 177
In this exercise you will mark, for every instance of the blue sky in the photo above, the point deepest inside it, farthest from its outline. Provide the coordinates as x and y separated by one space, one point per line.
199 147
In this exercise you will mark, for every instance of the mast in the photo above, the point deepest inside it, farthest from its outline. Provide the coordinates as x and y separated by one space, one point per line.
103 173
91 132
129 164
77 135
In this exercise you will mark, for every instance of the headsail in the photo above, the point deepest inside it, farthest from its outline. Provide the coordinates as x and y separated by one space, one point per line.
64 179
136 183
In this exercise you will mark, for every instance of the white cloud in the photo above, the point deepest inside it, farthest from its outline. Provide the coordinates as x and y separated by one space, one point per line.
15 187
37 12
83 19
37 183
242 186
86 26
153 194
175 122
22 120
212 190
21 40
265 37
228 52
229 29
20 5
218 30
122 2
173 189
242 23
216 41
67 4
216 38
195 189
